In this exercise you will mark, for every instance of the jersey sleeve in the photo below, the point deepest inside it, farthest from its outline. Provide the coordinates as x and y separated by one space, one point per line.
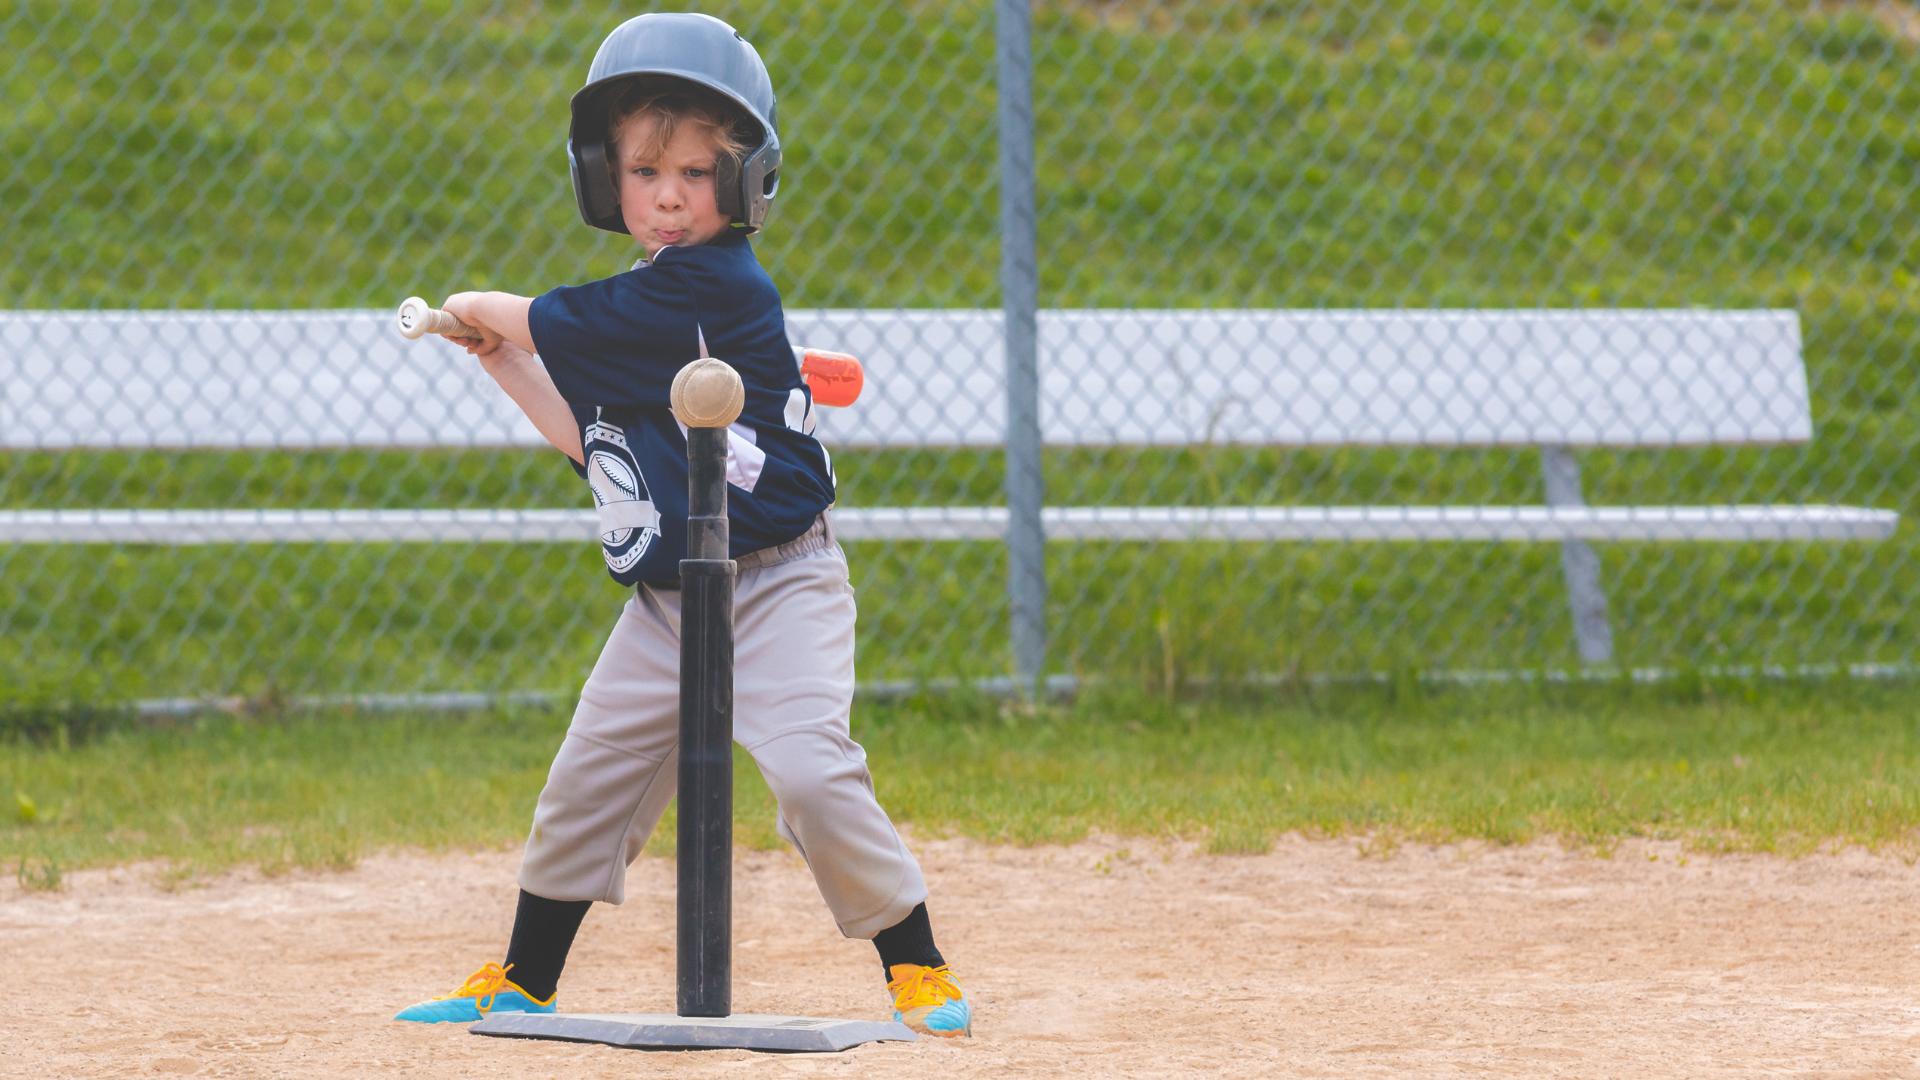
616 342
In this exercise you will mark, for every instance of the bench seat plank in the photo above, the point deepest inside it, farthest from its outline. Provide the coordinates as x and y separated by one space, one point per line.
1298 523
1591 377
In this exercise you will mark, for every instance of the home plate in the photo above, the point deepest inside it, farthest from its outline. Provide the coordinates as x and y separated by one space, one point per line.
665 1031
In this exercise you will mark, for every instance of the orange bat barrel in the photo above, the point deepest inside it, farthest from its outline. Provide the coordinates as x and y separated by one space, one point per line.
834 377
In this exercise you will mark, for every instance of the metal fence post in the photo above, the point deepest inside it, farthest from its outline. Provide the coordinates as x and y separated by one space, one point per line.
1019 290
1578 562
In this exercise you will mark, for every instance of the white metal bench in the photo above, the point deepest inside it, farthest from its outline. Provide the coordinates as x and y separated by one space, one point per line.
1557 381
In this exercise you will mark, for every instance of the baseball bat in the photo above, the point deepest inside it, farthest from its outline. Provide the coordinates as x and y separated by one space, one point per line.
417 319
836 378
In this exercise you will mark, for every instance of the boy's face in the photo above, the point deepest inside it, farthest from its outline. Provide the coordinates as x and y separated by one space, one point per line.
671 200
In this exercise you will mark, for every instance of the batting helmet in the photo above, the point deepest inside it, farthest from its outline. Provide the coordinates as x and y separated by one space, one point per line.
698 49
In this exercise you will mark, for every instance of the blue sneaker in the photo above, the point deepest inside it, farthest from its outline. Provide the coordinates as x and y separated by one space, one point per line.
929 1001
487 990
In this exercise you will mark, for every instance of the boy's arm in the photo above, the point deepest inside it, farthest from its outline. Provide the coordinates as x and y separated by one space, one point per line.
503 314
526 381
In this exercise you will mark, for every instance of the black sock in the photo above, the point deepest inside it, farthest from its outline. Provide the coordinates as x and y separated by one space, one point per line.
543 932
909 941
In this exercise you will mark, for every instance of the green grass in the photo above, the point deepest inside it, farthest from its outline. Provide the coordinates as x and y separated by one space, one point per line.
1720 766
1560 154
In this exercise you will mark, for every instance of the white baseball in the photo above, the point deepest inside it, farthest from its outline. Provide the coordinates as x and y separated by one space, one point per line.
708 393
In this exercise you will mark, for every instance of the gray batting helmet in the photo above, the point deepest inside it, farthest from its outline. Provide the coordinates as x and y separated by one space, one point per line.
699 49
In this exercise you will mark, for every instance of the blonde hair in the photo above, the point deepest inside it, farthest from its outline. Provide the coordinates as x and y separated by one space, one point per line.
669 106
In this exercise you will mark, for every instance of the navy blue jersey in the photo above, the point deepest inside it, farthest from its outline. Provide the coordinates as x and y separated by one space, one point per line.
613 347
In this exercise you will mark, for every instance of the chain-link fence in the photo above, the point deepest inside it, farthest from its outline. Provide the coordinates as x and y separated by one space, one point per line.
1367 336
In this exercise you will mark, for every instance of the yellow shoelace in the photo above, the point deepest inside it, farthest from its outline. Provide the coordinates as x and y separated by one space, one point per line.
924 986
483 985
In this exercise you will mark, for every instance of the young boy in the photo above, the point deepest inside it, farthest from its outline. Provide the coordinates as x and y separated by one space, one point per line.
673 141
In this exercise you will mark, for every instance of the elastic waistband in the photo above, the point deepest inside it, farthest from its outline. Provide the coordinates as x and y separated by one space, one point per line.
818 537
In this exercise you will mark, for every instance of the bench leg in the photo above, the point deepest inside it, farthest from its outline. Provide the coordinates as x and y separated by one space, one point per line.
1578 563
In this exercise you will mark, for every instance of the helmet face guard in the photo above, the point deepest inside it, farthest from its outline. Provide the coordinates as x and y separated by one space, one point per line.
696 49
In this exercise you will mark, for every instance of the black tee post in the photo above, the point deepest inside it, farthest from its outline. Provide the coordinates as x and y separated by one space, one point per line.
705 913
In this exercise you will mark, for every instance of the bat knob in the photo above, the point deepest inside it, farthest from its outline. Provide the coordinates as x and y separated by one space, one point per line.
412 318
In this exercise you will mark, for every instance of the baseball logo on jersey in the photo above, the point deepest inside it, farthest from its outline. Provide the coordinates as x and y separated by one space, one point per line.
628 521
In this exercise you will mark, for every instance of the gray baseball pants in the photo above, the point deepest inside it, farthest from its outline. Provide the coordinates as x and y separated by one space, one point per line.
793 693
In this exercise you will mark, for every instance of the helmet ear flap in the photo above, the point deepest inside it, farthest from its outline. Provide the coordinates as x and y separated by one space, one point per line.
726 188
593 184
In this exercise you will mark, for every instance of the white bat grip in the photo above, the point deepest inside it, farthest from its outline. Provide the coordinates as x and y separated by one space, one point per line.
417 319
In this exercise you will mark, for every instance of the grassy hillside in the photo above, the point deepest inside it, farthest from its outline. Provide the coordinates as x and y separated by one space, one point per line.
1581 152
1578 153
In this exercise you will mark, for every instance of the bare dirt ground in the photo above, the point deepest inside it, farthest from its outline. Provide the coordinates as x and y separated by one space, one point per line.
1105 958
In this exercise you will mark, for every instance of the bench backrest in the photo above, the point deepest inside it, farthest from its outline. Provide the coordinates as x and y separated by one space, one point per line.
934 377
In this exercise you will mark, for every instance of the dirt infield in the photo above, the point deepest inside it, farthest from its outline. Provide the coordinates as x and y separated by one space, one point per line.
1106 958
